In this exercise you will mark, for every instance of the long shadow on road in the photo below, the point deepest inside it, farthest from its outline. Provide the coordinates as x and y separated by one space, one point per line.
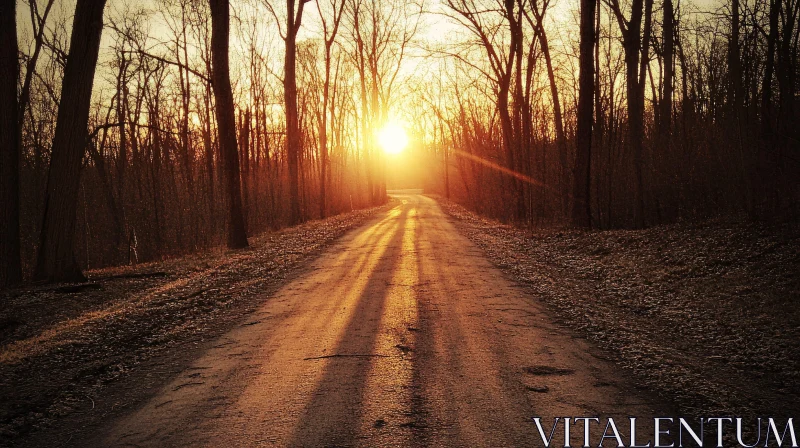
333 415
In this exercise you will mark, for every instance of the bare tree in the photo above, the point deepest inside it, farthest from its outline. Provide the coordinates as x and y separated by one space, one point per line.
769 71
56 261
10 268
561 138
226 121
668 38
38 22
330 28
631 30
735 93
501 60
582 212
359 55
294 18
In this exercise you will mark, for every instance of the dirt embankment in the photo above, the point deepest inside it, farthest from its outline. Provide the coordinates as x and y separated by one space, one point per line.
707 315
60 344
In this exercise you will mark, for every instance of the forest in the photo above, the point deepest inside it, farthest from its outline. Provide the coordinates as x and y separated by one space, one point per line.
136 131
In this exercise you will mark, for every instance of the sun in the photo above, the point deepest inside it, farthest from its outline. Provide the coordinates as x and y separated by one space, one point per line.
392 138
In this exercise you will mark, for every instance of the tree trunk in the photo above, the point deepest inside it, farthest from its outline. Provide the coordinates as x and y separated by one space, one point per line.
520 142
244 161
323 136
785 75
644 61
56 260
506 121
122 159
378 118
635 100
561 139
209 150
668 38
365 140
734 63
769 71
507 127
10 269
290 98
226 124
446 172
581 207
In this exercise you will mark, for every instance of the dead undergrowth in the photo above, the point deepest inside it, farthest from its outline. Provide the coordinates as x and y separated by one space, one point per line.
707 315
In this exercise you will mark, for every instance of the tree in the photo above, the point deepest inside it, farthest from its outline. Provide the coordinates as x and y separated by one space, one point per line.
735 93
581 206
360 59
56 260
10 269
501 61
561 139
226 121
668 39
632 45
329 37
769 71
786 72
38 24
294 17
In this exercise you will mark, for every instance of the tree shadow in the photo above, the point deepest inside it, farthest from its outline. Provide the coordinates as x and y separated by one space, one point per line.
333 415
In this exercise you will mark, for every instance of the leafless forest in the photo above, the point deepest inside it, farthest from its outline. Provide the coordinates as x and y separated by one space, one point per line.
132 131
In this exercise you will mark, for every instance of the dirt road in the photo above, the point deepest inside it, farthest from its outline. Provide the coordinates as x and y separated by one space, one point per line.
401 334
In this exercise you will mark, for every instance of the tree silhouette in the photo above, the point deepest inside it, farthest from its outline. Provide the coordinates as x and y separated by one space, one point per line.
56 261
10 268
220 22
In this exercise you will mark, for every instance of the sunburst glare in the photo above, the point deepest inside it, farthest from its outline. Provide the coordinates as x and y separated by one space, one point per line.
393 138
